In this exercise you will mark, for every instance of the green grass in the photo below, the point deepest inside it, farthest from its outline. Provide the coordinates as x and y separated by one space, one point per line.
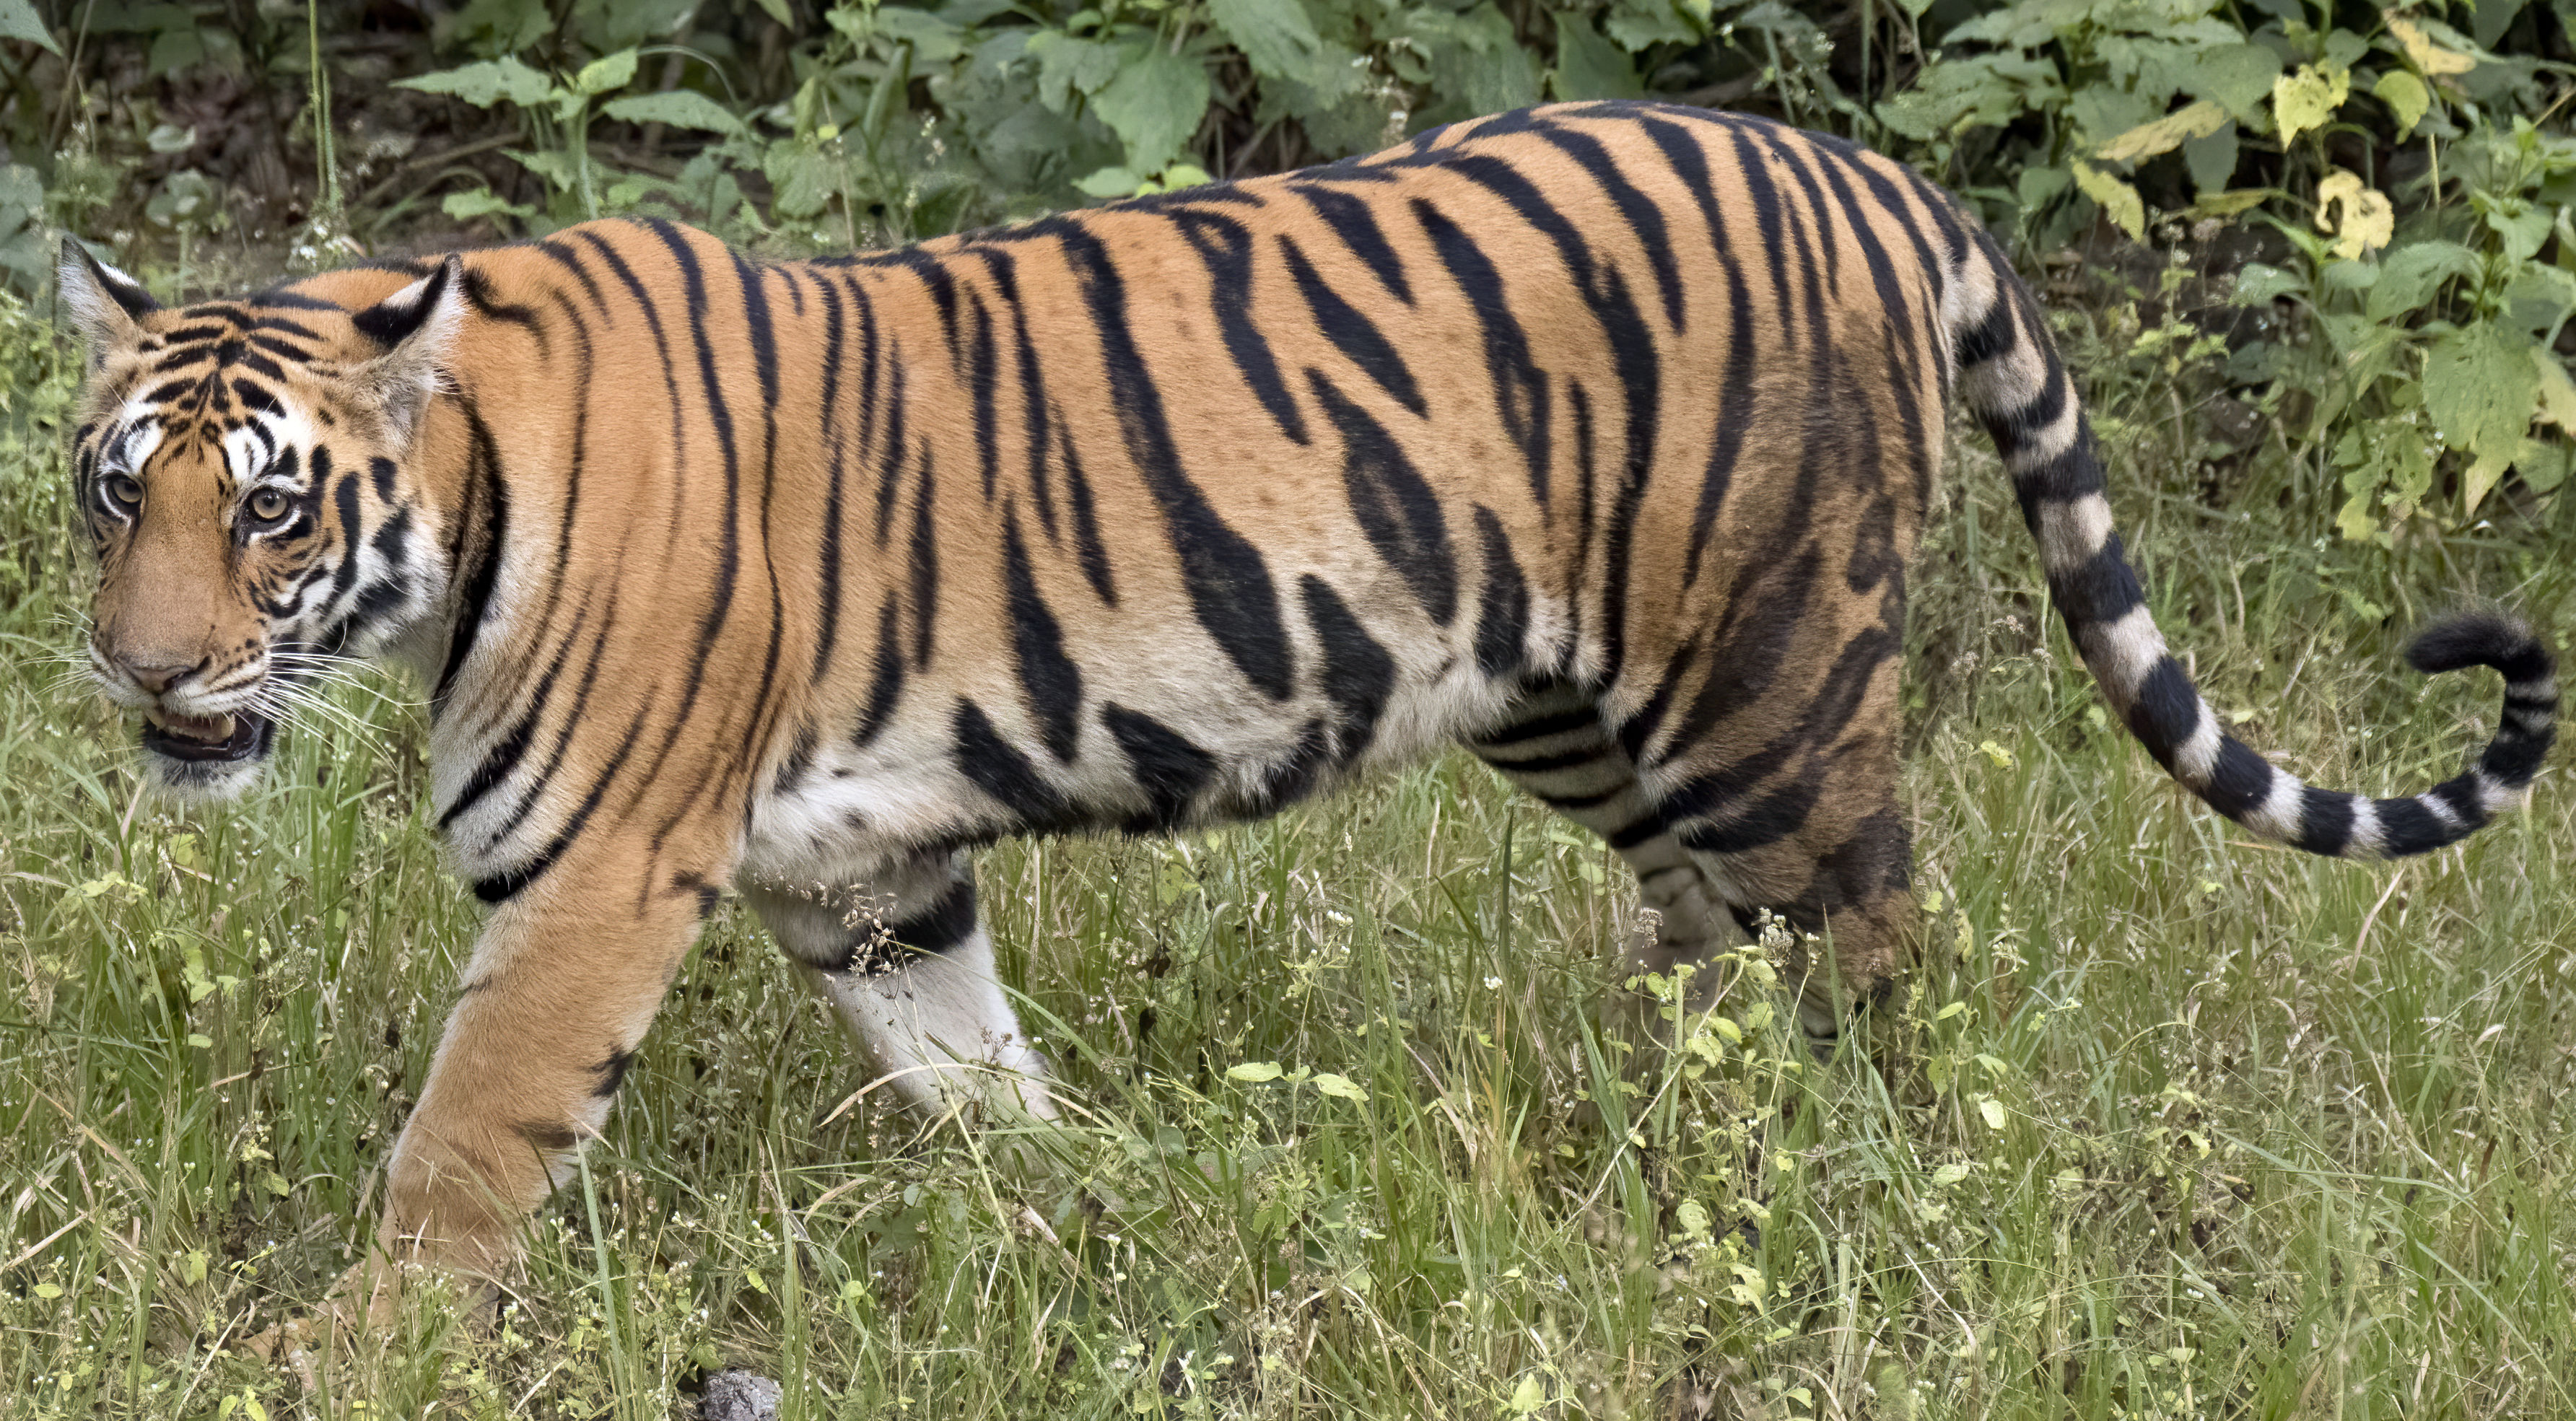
2180 1127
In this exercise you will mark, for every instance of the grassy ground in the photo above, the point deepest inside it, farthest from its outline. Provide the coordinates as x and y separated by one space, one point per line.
2183 1127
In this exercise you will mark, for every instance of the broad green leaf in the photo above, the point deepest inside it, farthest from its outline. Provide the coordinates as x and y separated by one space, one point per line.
2543 463
2211 160
2166 134
2237 75
1993 1111
1109 182
2308 99
1276 37
1950 1174
1344 1087
2037 185
2480 388
1476 61
2524 225
1636 24
486 84
19 21
2409 275
1154 105
482 202
1069 66
606 74
1255 1071
933 39
2118 199
1589 66
554 165
777 10
680 108
2406 97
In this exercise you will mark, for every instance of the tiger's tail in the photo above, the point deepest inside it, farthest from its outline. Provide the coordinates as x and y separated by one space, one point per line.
2011 378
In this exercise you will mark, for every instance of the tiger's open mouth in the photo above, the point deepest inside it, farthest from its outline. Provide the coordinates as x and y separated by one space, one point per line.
243 735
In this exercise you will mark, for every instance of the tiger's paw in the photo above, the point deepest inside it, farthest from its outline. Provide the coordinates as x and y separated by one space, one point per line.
368 1301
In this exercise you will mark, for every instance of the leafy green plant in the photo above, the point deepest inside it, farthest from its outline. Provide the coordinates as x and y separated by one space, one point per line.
558 110
2421 229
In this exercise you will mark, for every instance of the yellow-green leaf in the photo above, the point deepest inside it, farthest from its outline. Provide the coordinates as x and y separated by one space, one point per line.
2308 98
2557 391
2118 199
2166 134
606 73
1255 1071
1993 1110
2368 221
1342 1086
2406 97
2424 54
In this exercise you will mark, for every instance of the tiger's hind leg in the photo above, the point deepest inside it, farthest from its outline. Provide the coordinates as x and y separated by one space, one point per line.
1553 744
905 961
1823 845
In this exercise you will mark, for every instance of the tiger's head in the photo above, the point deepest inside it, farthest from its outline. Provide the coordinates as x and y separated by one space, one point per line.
248 471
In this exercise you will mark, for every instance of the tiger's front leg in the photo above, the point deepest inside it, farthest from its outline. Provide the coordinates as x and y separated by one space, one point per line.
562 984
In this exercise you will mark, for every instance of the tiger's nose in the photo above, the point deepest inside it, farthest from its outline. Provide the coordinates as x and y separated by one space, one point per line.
155 673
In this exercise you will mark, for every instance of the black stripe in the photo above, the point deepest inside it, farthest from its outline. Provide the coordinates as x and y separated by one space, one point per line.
2239 779
505 885
2325 821
1546 764
489 495
1086 521
1642 216
729 545
2407 827
1049 677
2166 711
1579 718
1520 387
1358 673
1224 245
827 556
1352 332
940 927
2102 590
983 380
1393 504
1354 221
1168 768
570 261
997 767
1502 613
885 684
1227 578
923 560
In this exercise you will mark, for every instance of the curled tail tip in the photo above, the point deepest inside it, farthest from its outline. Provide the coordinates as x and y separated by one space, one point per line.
2482 639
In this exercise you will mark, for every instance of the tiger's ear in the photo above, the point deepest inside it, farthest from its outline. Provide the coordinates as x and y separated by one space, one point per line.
104 302
416 327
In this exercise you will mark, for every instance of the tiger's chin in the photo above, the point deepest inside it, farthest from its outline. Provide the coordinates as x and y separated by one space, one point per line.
211 757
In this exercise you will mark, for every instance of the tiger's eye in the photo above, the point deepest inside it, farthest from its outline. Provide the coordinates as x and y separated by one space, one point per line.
268 505
124 490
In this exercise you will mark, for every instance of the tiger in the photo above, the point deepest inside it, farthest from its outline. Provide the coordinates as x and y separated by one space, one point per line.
1594 436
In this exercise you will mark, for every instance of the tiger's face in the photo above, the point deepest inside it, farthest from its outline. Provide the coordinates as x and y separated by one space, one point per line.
246 471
